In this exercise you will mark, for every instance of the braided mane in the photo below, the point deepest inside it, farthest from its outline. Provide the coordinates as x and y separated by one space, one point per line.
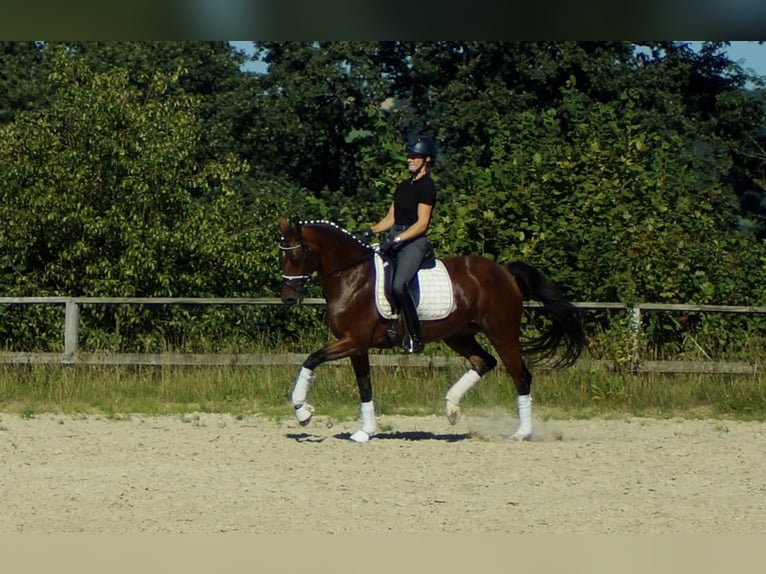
324 222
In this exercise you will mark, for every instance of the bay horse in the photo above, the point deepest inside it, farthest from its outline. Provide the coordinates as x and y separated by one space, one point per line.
488 298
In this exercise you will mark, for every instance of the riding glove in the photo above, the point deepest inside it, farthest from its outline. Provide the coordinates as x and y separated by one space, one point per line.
365 236
389 245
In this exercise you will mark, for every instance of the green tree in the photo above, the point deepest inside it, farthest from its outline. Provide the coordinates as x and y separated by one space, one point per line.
315 105
100 191
23 75
622 191
210 71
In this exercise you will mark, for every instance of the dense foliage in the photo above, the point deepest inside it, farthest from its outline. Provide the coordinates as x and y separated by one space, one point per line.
628 172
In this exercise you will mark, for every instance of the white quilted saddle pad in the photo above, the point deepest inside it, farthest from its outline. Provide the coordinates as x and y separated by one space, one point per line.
437 300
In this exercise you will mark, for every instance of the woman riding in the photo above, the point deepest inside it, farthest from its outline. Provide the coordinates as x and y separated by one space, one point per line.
407 222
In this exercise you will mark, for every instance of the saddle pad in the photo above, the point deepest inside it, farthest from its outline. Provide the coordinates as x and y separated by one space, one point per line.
436 297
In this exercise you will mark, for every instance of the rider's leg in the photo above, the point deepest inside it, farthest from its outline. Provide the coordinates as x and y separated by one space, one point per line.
408 261
412 341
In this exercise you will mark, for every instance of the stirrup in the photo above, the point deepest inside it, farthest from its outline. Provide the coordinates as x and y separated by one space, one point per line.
412 345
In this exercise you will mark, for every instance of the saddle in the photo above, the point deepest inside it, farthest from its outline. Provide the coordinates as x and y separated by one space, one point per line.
431 289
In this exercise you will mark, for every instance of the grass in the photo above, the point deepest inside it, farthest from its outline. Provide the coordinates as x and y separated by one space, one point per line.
118 392
570 393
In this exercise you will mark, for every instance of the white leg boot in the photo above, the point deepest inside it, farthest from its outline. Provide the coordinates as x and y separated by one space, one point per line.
369 423
303 410
456 392
525 418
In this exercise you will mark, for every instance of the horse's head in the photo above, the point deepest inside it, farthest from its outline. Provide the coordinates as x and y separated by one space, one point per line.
317 246
297 260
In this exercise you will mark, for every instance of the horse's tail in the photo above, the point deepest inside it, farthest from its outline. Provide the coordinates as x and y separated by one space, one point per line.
563 325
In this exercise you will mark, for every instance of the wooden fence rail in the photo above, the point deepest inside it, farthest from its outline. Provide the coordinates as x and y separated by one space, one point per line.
72 355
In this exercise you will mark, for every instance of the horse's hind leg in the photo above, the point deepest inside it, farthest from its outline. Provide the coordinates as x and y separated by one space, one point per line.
506 342
524 405
481 363
361 364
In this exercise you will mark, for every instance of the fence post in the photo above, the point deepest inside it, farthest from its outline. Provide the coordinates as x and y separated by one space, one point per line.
71 330
635 334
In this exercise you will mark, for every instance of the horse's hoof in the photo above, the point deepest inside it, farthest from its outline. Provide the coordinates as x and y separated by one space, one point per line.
361 436
453 412
521 437
303 413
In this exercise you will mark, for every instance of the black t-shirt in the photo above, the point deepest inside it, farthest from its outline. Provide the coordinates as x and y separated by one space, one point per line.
408 195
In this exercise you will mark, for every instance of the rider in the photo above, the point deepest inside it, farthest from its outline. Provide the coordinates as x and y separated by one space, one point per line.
407 222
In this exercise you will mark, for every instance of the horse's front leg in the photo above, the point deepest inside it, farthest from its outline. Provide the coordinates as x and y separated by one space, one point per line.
337 350
361 364
303 410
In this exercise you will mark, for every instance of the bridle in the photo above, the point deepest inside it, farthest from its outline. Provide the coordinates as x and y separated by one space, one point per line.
298 283
304 278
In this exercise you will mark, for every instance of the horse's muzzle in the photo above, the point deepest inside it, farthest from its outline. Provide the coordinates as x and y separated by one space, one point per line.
292 289
292 295
293 298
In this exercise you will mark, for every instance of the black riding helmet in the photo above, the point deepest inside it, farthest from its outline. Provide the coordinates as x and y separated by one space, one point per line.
423 147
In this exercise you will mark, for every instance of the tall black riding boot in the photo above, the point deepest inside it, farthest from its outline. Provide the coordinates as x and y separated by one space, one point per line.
411 341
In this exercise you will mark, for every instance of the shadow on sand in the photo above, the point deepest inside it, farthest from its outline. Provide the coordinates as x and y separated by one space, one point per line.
414 435
407 435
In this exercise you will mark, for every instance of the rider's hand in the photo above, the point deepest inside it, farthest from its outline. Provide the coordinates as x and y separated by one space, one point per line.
389 245
365 236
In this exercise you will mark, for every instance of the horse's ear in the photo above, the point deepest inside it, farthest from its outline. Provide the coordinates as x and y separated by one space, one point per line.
283 226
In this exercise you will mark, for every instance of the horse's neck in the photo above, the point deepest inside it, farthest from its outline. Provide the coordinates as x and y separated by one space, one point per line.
344 267
340 261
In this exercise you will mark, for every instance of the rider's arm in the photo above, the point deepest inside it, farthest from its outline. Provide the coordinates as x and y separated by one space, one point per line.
387 222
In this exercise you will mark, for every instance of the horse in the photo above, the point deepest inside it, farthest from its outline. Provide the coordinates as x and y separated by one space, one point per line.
487 297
